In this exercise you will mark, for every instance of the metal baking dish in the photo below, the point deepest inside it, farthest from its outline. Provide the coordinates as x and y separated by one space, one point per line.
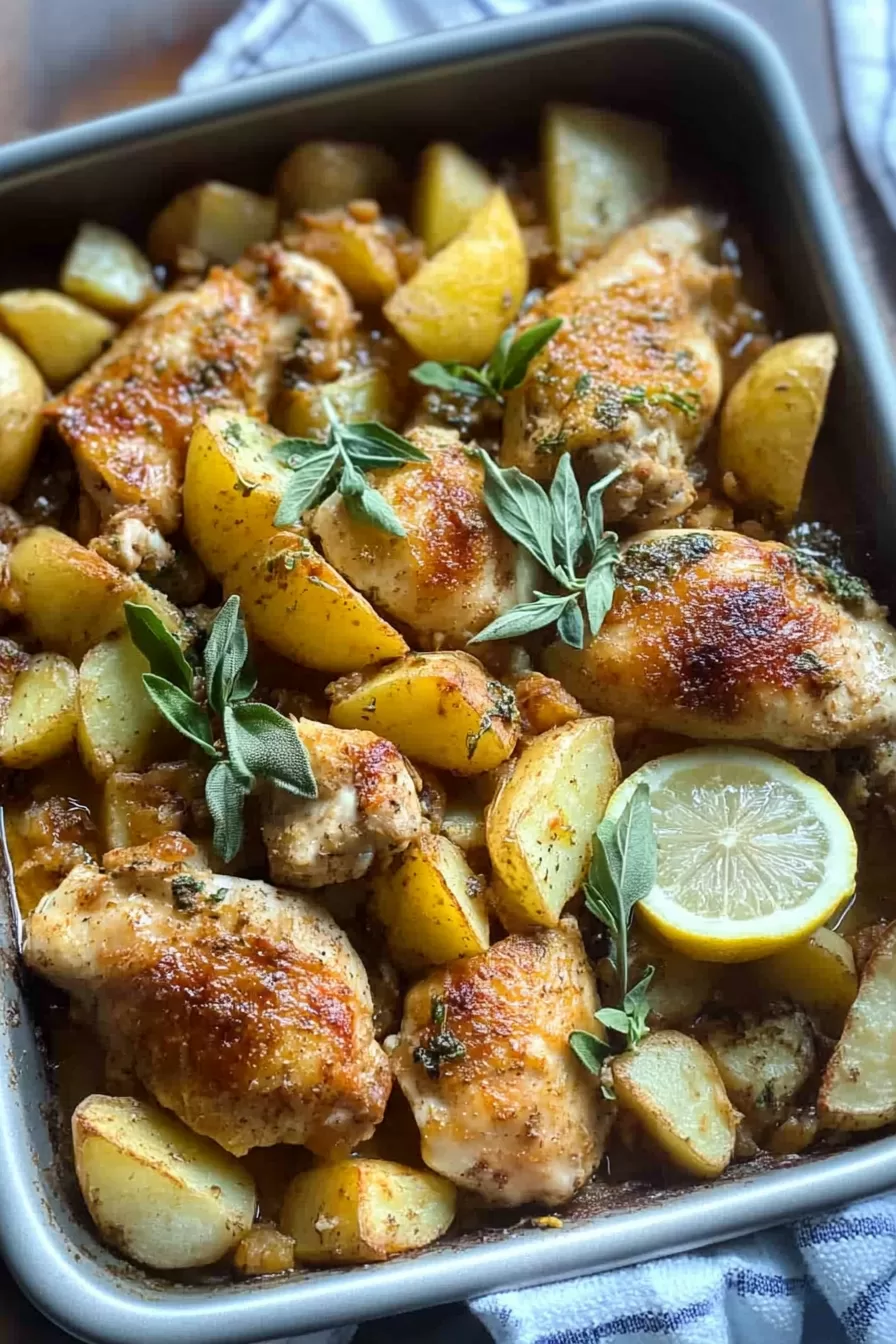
717 81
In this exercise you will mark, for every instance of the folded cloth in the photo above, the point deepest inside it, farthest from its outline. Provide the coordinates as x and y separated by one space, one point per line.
826 1279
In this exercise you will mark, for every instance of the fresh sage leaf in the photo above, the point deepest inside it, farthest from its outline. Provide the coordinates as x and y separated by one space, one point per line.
590 1050
225 795
600 586
568 516
158 646
266 743
636 1008
527 345
594 510
381 445
226 654
521 508
571 625
504 370
311 481
454 378
370 508
181 711
630 849
525 618
614 1018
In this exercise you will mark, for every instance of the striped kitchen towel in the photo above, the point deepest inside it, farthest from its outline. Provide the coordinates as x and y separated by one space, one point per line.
825 1280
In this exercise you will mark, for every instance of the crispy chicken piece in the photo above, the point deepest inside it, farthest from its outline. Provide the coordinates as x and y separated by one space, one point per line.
130 540
633 377
455 571
715 635
366 805
516 1117
242 1009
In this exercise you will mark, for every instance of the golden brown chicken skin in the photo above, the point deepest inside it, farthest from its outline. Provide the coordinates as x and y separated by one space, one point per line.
128 419
242 1009
715 635
633 377
515 1118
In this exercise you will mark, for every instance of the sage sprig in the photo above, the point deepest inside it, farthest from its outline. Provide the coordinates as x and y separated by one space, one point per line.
339 463
622 873
503 371
567 539
245 739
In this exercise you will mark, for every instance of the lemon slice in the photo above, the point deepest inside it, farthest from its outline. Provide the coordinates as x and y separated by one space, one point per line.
752 854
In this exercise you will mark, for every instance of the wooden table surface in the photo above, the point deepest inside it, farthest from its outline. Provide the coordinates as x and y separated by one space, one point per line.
121 52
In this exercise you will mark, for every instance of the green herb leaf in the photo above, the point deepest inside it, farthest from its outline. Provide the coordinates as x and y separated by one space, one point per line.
600 585
636 1006
226 654
442 1044
614 1018
568 516
571 625
371 445
265 743
524 349
371 508
525 618
311 481
594 510
182 711
451 377
521 508
225 794
504 370
158 646
630 849
590 1050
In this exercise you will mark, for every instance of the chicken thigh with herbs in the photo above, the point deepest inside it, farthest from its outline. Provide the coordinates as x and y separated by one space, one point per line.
243 1009
506 1111
715 635
633 378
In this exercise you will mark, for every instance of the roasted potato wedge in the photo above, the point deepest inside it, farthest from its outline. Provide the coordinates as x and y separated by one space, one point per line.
820 974
764 1060
671 1084
157 1192
541 820
216 219
602 172
858 1090
442 709
139 806
364 394
60 334
431 905
105 270
456 306
301 607
325 174
680 987
364 1209
233 485
42 714
771 420
463 822
21 419
450 188
119 727
359 252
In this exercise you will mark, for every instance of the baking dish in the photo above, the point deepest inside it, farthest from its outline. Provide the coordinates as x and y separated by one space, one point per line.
722 88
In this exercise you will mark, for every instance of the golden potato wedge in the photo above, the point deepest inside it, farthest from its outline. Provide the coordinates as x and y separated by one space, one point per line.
456 306
158 1193
771 419
215 218
820 974
139 806
119 727
450 188
21 418
431 905
602 172
42 714
671 1084
60 334
858 1090
764 1059
359 252
233 485
364 1209
680 987
325 174
541 820
442 709
463 822
364 394
105 270
301 607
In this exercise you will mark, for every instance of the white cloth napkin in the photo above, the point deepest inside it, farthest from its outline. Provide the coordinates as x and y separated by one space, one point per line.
826 1279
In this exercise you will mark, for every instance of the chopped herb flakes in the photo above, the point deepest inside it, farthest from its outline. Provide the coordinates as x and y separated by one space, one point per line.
442 1044
503 708
646 563
185 890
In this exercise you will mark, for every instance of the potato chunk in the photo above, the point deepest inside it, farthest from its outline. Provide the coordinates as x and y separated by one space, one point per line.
325 174
21 420
771 420
140 806
60 334
105 270
673 1087
157 1192
456 306
233 485
215 218
541 820
602 171
42 715
363 394
119 727
449 190
301 607
820 974
365 1209
858 1090
442 709
431 905
764 1060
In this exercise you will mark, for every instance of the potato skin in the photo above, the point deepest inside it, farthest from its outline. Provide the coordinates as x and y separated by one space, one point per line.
441 709
60 334
21 401
325 174
772 417
858 1090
